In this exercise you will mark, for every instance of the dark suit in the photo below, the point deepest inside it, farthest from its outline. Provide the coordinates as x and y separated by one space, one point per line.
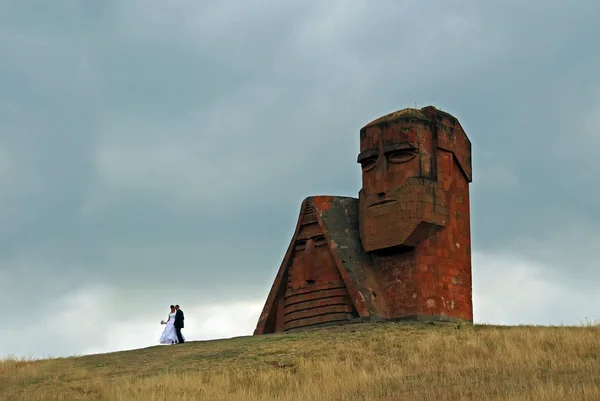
178 324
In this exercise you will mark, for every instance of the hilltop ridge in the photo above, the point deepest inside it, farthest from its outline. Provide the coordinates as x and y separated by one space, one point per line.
384 361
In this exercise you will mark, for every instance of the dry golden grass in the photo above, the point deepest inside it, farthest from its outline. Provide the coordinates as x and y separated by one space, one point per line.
359 362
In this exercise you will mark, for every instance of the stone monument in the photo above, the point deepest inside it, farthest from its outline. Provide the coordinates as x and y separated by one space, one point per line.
401 251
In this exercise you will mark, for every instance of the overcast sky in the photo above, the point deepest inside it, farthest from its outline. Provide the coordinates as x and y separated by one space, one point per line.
157 152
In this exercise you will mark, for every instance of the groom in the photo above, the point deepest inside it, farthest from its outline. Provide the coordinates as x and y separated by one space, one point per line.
178 323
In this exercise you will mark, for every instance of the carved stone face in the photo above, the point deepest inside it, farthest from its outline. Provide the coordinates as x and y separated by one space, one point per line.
399 188
312 262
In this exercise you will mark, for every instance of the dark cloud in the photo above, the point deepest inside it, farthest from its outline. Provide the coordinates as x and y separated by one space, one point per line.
166 147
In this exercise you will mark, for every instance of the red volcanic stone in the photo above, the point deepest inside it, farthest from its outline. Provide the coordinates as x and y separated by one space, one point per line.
322 202
402 250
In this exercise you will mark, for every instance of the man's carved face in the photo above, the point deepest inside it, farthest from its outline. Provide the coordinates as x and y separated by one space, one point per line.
312 261
386 165
396 159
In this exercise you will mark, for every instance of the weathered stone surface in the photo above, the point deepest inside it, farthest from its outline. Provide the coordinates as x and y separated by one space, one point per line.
402 250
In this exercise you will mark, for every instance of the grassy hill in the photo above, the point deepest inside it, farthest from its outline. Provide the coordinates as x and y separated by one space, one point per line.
386 361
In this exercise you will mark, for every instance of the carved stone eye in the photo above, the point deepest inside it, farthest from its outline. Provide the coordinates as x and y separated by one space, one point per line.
320 240
402 156
300 245
368 164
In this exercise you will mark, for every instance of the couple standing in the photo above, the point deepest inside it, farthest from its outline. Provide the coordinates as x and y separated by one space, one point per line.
172 332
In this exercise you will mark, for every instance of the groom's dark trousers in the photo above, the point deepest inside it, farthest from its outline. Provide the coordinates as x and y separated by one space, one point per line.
178 323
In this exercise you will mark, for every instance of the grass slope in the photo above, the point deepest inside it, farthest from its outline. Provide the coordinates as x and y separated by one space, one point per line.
386 361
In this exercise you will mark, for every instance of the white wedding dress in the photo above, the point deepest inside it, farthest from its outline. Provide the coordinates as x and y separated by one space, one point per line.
169 336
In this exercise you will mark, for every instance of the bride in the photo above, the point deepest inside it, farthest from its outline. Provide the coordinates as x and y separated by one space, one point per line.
169 336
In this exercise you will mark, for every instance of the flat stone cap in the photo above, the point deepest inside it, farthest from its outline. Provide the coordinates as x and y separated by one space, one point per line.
399 115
